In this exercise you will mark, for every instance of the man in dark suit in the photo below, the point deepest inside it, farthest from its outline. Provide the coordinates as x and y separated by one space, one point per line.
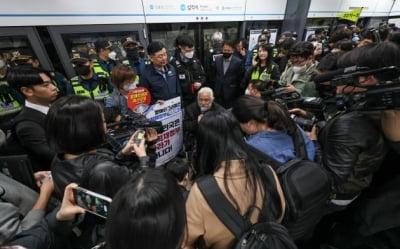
28 132
228 75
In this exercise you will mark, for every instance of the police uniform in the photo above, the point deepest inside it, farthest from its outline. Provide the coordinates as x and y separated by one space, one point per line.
11 103
98 87
188 71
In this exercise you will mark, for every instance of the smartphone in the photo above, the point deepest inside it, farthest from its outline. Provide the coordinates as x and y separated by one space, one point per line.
139 137
93 202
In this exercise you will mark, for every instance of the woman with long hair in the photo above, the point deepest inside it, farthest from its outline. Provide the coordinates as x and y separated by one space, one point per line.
263 67
224 154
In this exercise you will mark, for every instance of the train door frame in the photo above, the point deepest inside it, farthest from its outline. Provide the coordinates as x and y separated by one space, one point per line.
56 33
34 40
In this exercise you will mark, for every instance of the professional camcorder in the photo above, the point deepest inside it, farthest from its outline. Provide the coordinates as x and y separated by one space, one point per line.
130 123
315 106
124 129
382 96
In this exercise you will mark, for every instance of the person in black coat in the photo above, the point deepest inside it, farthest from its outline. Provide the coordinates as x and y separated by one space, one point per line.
76 130
28 132
228 76
193 114
190 72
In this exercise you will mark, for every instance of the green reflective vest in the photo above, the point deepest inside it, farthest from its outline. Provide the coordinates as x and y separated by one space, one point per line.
8 104
264 75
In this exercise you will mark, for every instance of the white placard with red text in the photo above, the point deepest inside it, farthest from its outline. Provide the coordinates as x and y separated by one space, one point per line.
169 142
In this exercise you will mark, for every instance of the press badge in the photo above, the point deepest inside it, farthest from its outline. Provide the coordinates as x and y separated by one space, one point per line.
182 76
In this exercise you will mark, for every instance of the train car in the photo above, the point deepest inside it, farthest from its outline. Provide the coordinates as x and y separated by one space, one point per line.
52 30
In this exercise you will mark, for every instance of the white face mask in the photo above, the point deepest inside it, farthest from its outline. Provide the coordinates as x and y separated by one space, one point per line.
112 55
299 69
2 63
129 87
189 55
247 92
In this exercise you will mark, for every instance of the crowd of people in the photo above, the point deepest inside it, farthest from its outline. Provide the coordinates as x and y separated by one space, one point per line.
237 104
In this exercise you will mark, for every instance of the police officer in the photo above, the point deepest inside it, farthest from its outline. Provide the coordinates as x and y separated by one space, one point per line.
91 80
190 72
11 101
132 58
106 57
58 79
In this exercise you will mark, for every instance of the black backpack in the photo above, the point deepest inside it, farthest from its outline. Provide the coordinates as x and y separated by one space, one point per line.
306 187
262 235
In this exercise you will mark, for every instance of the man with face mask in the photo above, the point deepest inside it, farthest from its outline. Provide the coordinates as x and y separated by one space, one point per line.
106 56
189 69
90 81
229 73
132 56
301 67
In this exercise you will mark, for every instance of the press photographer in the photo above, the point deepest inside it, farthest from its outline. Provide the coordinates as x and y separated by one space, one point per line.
355 145
381 95
306 111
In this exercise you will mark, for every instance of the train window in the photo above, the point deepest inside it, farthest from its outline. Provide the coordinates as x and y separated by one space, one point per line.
14 46
84 42
273 26
201 32
229 30
167 33
15 43
19 44
81 38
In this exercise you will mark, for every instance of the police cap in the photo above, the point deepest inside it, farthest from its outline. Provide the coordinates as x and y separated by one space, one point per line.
79 58
127 41
102 44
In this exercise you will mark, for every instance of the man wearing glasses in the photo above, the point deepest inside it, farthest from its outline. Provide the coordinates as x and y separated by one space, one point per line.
300 69
28 131
159 77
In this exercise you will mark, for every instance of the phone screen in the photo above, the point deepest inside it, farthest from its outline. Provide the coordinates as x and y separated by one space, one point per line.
93 202
139 136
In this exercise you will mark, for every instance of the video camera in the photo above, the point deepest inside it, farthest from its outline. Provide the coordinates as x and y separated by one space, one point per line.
350 75
381 96
315 106
127 126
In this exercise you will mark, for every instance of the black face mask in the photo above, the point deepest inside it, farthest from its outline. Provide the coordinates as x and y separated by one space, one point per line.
226 55
132 54
141 54
82 70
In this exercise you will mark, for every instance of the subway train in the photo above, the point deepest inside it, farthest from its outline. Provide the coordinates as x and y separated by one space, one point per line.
52 30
